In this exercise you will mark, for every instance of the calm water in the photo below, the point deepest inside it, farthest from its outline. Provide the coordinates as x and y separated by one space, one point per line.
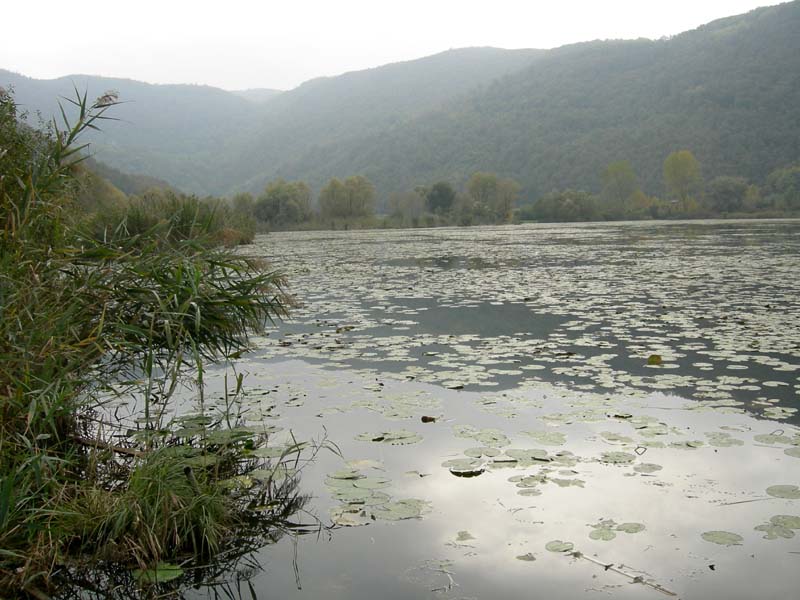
529 348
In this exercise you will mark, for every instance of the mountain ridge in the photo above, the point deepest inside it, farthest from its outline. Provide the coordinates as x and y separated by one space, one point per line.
729 91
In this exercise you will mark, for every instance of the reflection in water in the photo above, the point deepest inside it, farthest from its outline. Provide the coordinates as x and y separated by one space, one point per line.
715 467
269 517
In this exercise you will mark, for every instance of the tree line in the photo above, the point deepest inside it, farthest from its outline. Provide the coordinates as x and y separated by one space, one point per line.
352 202
487 198
689 195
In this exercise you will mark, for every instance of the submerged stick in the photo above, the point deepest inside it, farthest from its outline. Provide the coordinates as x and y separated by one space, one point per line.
745 501
633 578
105 446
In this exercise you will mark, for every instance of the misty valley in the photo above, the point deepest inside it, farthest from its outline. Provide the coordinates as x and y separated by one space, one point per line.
487 324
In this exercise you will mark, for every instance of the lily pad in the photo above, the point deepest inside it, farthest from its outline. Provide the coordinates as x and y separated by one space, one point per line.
559 546
723 538
723 440
464 467
602 534
773 532
526 557
793 452
481 452
269 452
401 509
647 468
617 458
161 573
464 536
791 492
631 527
347 516
772 438
531 454
372 483
788 521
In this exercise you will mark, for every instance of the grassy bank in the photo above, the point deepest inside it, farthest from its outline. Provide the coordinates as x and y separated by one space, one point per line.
92 310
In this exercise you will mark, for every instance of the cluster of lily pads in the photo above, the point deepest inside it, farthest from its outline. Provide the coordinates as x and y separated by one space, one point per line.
363 500
656 310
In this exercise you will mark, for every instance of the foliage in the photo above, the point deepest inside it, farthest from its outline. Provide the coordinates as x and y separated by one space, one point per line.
726 194
619 186
492 198
783 188
284 203
352 198
81 315
551 120
569 205
682 175
171 217
440 198
408 208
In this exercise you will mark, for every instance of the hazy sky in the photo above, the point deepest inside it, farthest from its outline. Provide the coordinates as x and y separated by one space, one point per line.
237 44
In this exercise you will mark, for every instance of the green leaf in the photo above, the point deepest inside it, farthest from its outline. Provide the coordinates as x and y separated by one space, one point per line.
161 573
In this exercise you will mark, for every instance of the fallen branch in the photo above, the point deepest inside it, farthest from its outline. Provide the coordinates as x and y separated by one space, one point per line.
106 446
633 578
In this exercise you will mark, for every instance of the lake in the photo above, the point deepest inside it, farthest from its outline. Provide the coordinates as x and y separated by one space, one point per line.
557 411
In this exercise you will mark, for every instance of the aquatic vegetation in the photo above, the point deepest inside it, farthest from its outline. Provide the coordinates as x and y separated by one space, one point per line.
535 372
559 546
88 321
723 538
791 492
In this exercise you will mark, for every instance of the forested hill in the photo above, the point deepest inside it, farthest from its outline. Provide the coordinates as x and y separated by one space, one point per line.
207 140
728 91
172 132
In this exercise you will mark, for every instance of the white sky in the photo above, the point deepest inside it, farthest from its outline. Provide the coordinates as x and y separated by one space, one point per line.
237 44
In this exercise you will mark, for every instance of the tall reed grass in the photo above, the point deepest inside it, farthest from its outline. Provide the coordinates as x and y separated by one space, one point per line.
83 314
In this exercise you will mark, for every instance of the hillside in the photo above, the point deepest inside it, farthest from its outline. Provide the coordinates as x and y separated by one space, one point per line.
206 140
728 91
172 132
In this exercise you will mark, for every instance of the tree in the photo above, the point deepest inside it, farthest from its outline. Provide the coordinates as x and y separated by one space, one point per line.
783 188
492 197
244 204
507 196
352 198
408 206
682 175
440 198
284 203
332 199
360 196
726 194
619 185
569 205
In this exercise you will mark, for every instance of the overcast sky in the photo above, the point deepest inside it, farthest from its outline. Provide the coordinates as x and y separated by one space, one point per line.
236 44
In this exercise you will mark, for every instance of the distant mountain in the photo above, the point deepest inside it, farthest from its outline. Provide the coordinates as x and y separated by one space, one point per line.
206 140
173 132
257 95
132 184
728 91
327 112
